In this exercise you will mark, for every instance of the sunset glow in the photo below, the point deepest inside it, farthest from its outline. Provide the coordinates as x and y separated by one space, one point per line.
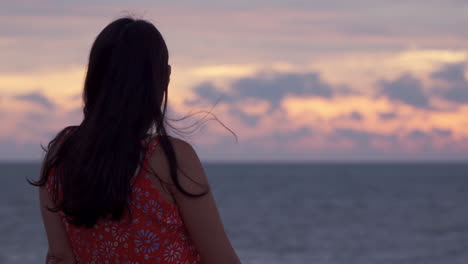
327 82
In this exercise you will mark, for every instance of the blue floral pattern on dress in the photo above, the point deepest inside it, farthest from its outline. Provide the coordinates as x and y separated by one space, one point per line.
137 197
108 250
146 241
120 234
153 208
172 253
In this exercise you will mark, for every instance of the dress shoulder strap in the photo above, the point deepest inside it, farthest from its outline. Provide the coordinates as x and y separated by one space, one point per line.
153 142
151 145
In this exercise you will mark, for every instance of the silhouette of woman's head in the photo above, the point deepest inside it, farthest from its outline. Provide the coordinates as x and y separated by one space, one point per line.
128 75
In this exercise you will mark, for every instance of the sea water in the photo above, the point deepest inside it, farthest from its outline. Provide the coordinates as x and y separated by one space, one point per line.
299 213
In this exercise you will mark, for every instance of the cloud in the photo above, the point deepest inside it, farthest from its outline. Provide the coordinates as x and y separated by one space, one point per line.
249 119
269 88
36 117
36 98
453 75
362 144
205 91
409 89
290 136
276 88
442 132
76 114
418 134
361 138
387 115
356 116
273 88
406 89
414 141
434 132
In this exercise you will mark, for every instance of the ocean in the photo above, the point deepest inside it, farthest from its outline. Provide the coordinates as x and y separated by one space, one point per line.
330 213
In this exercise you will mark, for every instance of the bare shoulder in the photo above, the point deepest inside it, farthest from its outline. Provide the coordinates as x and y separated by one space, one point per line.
182 148
190 171
200 215
192 174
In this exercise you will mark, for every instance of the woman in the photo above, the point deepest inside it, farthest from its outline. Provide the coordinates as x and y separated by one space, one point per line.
117 188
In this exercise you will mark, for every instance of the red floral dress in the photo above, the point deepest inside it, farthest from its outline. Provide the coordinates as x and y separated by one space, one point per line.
156 233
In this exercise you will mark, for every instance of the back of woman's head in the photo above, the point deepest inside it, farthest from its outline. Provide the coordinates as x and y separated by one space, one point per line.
125 97
128 75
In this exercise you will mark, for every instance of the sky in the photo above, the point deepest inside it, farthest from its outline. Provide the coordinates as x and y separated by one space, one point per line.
363 80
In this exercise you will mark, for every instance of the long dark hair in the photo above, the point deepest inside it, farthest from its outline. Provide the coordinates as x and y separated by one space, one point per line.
125 88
